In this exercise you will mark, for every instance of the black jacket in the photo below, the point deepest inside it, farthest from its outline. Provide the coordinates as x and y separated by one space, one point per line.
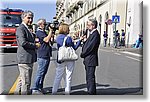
90 49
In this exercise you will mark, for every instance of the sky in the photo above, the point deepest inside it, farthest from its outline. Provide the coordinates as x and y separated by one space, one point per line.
41 8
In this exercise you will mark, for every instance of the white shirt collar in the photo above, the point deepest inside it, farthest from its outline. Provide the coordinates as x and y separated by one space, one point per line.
27 28
25 25
92 31
39 29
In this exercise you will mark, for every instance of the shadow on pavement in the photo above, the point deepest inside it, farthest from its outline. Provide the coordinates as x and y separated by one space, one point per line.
80 90
7 65
105 90
13 50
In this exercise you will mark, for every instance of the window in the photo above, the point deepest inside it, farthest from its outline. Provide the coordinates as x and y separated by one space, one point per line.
100 19
10 20
84 26
79 12
90 5
95 3
76 15
129 22
106 16
81 30
84 8
78 27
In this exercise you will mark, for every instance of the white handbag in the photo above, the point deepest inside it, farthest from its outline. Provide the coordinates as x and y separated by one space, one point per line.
66 53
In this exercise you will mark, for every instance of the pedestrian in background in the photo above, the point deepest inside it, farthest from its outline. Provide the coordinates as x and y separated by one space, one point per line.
90 55
123 38
139 41
117 38
44 52
26 53
105 35
66 67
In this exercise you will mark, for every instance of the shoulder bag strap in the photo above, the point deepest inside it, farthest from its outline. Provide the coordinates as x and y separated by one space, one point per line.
64 41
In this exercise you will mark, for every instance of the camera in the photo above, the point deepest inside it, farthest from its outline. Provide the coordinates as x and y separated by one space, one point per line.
53 25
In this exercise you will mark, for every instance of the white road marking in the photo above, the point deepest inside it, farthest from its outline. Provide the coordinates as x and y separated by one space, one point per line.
118 54
105 50
133 58
130 53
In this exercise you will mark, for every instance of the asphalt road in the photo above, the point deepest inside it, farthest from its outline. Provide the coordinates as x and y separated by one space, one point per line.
118 73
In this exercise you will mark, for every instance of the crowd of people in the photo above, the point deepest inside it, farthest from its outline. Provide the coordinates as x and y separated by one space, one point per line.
118 40
30 51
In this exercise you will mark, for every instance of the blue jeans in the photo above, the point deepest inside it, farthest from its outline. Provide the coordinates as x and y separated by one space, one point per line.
43 65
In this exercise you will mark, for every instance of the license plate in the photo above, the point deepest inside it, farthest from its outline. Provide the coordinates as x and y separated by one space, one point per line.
8 45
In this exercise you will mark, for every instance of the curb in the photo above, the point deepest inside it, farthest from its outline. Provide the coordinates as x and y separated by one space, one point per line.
134 50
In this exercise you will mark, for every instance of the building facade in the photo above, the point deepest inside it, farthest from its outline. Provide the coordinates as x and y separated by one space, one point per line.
77 12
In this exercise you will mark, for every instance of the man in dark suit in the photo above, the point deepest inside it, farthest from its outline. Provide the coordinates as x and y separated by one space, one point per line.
26 53
90 55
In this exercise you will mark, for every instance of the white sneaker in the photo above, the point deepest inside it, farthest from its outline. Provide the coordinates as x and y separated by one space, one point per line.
36 92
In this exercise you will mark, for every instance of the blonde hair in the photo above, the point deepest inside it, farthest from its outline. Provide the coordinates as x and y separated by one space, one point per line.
64 28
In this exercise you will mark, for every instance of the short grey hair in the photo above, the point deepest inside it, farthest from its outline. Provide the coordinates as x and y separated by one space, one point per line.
94 22
39 22
25 13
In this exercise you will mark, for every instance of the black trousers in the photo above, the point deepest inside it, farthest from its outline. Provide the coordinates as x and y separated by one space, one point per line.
90 79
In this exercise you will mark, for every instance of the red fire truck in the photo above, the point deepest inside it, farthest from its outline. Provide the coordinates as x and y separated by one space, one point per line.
10 19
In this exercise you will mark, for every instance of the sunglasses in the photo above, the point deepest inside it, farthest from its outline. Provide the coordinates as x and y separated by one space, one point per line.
29 17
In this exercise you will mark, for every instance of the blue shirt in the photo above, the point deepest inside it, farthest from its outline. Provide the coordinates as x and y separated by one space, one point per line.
45 50
69 42
123 34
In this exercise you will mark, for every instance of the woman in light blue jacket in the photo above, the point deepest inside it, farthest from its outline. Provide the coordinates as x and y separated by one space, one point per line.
66 66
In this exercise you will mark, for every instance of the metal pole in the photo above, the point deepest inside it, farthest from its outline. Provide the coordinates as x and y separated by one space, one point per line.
115 31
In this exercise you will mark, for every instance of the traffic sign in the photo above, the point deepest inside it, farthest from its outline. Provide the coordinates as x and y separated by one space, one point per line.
116 19
109 21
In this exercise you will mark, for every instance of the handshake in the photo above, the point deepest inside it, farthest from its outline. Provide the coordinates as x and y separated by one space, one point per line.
83 38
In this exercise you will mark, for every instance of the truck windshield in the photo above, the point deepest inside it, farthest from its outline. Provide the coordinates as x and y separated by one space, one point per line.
7 20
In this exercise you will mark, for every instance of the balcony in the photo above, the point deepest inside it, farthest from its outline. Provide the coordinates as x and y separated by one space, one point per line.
74 7
80 3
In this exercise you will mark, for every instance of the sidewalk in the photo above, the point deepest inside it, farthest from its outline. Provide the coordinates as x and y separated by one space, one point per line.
133 50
